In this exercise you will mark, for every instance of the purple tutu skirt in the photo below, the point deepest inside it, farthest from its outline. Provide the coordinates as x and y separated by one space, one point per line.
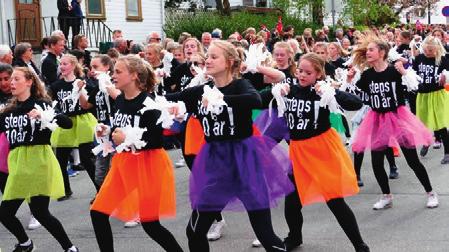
274 127
4 151
247 174
392 129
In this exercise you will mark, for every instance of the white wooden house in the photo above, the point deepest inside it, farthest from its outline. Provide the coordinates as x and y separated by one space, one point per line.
30 20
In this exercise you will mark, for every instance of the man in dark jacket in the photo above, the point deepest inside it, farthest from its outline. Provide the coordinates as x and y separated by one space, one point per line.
64 16
50 64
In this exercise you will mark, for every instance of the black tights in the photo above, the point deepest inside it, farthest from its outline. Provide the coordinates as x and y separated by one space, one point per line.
39 209
345 124
154 229
411 156
85 150
443 136
338 207
358 160
200 223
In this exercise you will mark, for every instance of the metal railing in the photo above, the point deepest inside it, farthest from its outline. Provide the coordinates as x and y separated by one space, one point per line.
24 29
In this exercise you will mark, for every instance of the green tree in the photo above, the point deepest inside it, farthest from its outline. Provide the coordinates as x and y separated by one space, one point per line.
369 12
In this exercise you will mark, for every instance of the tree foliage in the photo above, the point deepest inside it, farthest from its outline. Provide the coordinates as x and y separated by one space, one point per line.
368 12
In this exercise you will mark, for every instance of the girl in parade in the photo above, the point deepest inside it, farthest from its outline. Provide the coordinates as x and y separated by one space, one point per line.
314 144
34 173
432 101
81 135
233 167
389 123
147 192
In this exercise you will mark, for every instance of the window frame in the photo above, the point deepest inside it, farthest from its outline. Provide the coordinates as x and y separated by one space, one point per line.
96 16
137 18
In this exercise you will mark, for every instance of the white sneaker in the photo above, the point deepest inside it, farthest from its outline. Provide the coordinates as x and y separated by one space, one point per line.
215 230
432 200
33 224
386 201
437 145
131 224
256 243
180 163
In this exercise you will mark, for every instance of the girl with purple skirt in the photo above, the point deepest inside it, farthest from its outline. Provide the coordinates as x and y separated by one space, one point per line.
234 169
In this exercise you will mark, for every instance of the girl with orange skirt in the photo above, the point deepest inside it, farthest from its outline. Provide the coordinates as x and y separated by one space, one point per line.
140 183
322 168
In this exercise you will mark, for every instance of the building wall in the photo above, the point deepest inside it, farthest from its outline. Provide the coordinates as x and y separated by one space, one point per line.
152 13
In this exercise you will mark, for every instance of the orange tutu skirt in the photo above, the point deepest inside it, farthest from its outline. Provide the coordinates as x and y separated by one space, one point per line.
139 185
322 168
194 136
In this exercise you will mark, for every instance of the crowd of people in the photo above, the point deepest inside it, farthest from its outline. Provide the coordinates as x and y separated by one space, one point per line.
228 103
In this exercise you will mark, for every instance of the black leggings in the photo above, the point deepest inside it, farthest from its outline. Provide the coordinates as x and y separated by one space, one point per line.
154 229
3 179
39 209
345 124
200 223
411 156
358 160
338 207
85 150
442 136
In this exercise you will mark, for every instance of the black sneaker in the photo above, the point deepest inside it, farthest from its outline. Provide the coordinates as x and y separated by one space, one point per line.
78 167
67 196
362 248
292 243
393 173
20 248
359 182
423 151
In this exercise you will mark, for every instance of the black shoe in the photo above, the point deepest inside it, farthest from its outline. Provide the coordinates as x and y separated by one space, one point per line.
359 182
393 173
292 243
19 248
78 167
67 196
423 151
362 248
92 201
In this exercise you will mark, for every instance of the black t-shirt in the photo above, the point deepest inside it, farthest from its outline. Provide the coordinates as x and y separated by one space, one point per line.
98 100
429 72
4 98
20 130
385 89
128 113
304 116
234 120
181 77
256 79
61 89
338 63
329 69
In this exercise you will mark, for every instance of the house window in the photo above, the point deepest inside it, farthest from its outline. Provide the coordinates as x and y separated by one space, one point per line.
134 10
95 9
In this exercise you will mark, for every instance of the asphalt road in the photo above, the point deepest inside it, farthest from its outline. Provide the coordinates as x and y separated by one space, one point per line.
408 226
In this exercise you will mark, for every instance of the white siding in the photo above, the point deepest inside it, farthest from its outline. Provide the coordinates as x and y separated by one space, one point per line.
236 2
138 31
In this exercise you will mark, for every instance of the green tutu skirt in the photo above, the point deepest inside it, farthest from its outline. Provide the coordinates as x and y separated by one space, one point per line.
83 131
336 121
433 109
33 171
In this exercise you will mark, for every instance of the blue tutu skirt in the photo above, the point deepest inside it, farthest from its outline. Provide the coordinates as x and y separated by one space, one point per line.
272 126
247 174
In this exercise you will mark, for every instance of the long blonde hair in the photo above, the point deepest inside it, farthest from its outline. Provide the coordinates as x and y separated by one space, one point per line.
359 53
79 73
317 63
291 55
440 51
146 79
231 53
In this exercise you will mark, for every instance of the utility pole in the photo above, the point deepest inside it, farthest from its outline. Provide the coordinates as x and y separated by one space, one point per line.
428 12
333 12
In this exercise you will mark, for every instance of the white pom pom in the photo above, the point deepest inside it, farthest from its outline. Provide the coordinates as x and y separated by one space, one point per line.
133 142
277 91
214 98
411 80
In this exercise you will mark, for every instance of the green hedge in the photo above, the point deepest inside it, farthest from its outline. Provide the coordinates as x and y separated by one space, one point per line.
199 22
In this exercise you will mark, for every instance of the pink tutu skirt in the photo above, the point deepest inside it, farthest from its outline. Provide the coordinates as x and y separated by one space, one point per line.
4 151
400 128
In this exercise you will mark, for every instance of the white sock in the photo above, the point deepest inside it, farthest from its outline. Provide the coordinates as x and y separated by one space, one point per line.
27 243
73 248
